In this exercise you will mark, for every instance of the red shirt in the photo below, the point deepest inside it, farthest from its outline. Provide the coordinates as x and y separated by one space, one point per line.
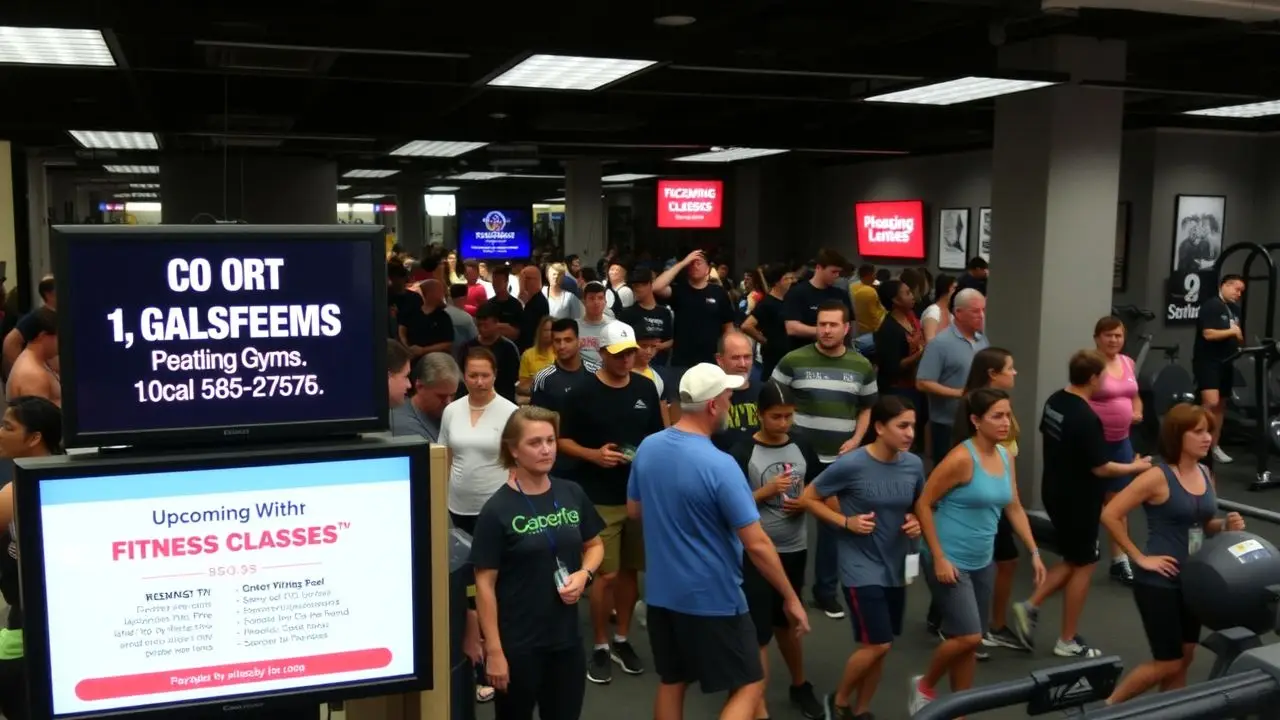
476 296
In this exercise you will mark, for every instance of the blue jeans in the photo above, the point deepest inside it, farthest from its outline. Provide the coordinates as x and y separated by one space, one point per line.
826 583
1120 451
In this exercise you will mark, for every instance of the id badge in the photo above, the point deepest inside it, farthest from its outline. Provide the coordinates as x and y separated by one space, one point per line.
1195 538
912 569
562 574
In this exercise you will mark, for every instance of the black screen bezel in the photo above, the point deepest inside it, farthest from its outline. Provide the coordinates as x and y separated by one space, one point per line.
68 290
28 473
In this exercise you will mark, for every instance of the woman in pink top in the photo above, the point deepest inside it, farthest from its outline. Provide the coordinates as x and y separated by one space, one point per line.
1117 404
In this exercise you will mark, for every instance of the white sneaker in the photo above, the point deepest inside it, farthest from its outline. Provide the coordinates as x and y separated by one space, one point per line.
1220 456
917 698
1076 648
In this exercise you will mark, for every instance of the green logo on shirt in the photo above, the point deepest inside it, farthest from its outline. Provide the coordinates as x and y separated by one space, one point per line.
523 524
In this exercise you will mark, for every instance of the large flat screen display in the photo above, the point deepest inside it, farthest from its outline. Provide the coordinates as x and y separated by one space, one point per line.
195 582
491 233
893 229
172 333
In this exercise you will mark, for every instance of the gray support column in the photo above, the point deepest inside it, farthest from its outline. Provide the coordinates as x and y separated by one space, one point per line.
262 190
411 212
8 218
747 206
1054 192
584 210
40 259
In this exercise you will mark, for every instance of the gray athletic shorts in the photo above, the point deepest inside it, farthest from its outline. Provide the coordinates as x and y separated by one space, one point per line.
965 608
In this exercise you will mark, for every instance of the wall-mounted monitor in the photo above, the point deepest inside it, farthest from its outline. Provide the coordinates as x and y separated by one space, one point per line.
495 233
205 584
690 203
201 333
891 229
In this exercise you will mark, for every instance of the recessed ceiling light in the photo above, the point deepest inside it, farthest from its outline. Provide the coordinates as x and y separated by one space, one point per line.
617 186
522 176
145 186
675 20
133 169
498 115
954 92
554 200
477 176
53 46
728 155
369 173
370 196
444 188
626 177
568 72
436 148
1241 112
343 187
115 140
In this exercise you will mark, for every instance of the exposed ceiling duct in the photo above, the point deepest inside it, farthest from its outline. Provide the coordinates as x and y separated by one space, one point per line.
1239 10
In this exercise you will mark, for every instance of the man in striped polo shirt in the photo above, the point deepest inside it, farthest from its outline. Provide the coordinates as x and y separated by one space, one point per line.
834 388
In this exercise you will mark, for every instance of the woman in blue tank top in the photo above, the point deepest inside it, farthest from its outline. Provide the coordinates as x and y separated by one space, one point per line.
959 512
1178 500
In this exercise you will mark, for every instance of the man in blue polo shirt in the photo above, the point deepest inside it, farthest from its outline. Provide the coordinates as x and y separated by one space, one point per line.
944 368
699 516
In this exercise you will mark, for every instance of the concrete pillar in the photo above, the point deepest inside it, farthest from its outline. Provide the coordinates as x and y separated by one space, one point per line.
411 212
747 205
8 218
40 260
584 210
261 190
1055 188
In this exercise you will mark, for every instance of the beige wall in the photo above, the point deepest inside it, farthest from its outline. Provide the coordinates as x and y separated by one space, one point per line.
8 239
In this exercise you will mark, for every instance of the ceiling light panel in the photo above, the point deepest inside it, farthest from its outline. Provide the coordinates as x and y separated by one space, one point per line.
954 92
477 176
115 140
523 176
729 155
1241 112
444 188
133 169
53 46
436 148
370 196
625 177
145 186
369 173
568 72
554 200
343 187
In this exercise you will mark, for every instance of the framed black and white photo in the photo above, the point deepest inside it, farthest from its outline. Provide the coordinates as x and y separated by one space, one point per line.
1120 271
983 249
1198 224
953 238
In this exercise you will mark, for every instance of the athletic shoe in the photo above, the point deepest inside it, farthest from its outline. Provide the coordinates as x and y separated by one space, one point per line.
802 697
831 711
1025 618
919 696
1004 638
1122 572
830 607
1221 456
599 671
982 656
626 657
1076 648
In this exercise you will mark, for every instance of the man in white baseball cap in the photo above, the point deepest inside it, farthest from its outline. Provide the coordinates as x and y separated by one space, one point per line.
604 418
699 517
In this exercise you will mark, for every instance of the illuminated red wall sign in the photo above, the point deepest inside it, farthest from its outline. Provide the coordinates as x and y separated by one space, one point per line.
890 229
690 203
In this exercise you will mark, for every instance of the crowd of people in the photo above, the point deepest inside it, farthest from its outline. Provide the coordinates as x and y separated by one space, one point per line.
669 421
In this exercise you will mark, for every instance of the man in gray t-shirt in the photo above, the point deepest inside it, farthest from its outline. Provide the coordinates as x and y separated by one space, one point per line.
944 367
863 484
762 465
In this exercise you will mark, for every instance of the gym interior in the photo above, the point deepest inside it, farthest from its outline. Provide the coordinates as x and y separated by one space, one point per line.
1080 147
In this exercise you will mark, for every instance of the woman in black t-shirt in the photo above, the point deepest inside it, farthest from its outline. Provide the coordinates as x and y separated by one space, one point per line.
536 548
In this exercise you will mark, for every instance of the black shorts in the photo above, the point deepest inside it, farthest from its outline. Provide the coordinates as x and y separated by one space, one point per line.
719 653
1167 622
1006 549
876 613
765 603
1213 375
1076 523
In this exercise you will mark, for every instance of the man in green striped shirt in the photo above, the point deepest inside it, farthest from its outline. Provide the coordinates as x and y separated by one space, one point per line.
834 388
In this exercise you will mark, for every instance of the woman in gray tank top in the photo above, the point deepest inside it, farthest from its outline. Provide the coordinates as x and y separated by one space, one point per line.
1178 500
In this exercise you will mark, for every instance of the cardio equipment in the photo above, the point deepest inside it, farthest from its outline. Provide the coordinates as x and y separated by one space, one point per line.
1250 412
1161 386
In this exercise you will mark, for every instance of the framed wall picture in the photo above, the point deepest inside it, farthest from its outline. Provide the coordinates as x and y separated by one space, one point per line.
953 238
1120 270
983 249
1198 224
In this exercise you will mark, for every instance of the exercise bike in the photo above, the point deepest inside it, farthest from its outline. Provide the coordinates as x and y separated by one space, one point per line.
1264 427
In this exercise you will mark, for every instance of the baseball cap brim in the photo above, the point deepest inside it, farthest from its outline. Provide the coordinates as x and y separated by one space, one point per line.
622 346
734 382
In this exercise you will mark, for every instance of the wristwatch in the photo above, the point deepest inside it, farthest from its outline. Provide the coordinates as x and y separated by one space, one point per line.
591 576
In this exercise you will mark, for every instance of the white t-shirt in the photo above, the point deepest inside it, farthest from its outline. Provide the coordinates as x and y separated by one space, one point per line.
933 312
589 338
475 474
566 306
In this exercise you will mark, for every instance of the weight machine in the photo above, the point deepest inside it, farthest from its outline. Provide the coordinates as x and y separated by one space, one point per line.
1265 429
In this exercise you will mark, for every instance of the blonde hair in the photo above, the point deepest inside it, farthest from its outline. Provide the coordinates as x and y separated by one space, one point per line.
557 267
515 427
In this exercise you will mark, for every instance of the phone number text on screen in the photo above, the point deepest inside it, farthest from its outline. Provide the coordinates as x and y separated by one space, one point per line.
223 334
